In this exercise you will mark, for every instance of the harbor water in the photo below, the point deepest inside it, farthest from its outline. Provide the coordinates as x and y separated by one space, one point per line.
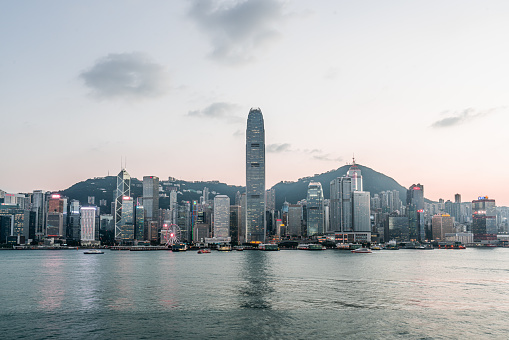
290 294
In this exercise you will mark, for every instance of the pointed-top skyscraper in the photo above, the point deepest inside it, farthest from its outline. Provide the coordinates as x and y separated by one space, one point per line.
255 177
355 174
122 194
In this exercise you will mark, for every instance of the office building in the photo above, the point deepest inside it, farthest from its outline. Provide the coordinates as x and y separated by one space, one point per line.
315 221
221 216
255 177
122 193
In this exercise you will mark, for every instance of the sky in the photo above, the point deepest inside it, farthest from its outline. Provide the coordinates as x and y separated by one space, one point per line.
417 90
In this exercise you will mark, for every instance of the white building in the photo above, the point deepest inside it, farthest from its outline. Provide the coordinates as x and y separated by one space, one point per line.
88 223
221 216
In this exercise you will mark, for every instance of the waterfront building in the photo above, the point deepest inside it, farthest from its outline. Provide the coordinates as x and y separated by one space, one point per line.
361 211
415 195
139 225
126 221
396 228
221 216
235 223
151 197
74 224
442 224
255 177
39 207
88 226
314 209
122 194
294 220
484 221
341 204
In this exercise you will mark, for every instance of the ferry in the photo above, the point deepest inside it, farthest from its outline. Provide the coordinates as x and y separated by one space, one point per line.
93 251
362 251
238 248
179 247
311 246
224 248
268 247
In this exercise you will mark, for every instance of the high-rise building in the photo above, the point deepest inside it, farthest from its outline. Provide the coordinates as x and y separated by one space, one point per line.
361 211
315 209
355 174
415 195
74 227
484 220
294 220
87 220
440 225
39 207
122 193
221 216
151 197
255 177
341 204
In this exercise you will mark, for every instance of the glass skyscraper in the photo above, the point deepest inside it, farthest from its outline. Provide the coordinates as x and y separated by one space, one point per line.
314 209
122 193
255 177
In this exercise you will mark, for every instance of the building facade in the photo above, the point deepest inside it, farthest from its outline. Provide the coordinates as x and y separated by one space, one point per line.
255 177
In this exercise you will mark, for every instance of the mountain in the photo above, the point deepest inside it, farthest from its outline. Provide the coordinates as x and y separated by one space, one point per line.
102 188
373 181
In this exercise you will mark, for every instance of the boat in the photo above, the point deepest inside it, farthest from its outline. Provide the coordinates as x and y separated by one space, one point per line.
376 248
224 248
93 251
362 251
316 246
311 246
204 251
268 247
179 247
238 248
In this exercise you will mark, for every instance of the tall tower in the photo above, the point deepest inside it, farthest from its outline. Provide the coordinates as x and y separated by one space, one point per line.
151 197
415 195
255 177
123 193
355 174
314 209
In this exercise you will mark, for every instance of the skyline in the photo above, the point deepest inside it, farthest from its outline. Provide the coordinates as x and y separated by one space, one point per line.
415 91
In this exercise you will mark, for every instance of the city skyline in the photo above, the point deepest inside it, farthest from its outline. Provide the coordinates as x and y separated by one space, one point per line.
416 91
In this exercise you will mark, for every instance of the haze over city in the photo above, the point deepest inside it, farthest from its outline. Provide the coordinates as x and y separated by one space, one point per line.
417 91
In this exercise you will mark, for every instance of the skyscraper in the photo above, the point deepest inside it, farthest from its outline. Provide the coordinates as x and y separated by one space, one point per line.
341 218
123 191
221 216
151 198
415 195
314 209
355 174
255 177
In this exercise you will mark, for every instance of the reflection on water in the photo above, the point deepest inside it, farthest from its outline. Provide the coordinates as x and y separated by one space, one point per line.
256 281
51 288
254 294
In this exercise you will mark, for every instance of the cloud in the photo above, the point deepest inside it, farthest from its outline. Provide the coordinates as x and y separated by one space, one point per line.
238 30
277 148
318 154
327 157
128 75
461 117
219 110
